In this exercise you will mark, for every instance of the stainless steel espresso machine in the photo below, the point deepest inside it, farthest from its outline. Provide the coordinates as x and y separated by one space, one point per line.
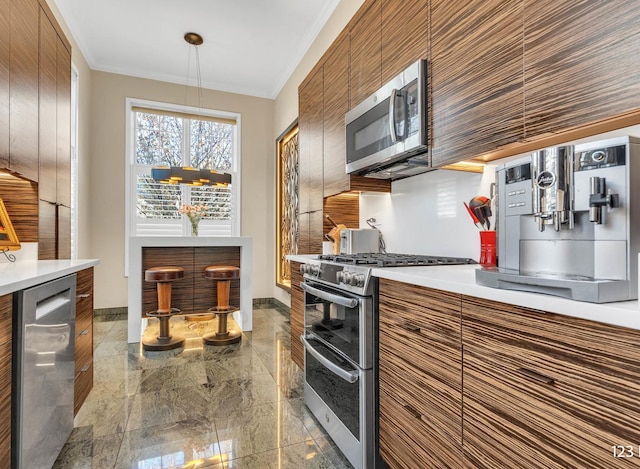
569 222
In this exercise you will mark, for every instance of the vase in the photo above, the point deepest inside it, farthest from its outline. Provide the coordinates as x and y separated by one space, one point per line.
194 227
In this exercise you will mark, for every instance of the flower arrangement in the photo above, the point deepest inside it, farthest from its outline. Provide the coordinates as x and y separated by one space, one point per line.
194 213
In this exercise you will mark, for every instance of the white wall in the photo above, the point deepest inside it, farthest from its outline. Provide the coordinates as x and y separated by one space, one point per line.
425 214
108 162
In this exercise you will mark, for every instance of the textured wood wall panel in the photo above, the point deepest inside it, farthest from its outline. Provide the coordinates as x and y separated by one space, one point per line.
20 198
420 373
343 209
336 105
316 221
297 315
303 234
366 42
405 35
205 292
182 293
581 61
364 184
477 77
6 309
573 421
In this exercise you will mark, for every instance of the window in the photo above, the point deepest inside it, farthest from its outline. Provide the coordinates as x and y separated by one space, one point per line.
166 135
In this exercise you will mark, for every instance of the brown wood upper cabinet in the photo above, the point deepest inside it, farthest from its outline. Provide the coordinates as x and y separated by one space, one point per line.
310 138
336 105
5 53
23 88
405 35
365 69
477 77
580 62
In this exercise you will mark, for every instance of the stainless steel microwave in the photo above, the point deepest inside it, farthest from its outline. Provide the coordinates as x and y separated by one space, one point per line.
386 134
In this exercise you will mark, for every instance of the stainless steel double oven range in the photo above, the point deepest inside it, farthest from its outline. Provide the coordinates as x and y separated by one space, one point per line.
341 346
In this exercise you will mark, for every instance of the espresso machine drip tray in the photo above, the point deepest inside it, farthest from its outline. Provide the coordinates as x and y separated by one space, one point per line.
573 287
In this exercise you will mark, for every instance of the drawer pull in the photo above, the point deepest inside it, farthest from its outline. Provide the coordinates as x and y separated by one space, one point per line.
536 376
408 326
85 368
83 295
412 411
85 332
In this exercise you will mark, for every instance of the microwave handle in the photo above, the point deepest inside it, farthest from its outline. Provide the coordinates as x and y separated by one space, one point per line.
341 300
392 116
349 376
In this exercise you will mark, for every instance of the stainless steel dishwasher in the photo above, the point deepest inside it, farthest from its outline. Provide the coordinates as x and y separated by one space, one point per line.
43 372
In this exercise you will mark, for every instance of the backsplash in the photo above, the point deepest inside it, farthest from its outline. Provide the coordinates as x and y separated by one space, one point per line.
425 214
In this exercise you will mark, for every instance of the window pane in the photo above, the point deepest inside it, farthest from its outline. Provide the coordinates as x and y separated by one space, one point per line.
217 200
156 200
211 145
158 139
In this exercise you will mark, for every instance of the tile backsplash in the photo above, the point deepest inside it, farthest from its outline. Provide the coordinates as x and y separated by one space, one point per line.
425 214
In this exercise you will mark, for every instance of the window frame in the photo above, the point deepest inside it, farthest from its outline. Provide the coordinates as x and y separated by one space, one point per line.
130 189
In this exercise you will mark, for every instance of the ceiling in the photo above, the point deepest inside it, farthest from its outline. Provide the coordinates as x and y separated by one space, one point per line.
250 46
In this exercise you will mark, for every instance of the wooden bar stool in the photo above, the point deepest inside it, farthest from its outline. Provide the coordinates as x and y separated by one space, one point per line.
163 277
222 274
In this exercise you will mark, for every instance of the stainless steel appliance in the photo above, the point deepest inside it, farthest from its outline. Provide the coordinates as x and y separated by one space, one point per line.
341 347
359 241
569 224
386 134
43 372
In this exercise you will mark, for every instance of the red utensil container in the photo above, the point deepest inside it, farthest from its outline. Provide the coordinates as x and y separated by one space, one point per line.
488 249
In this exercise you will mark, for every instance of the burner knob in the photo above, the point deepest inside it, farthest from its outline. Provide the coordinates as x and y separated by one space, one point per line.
360 278
346 277
303 268
315 269
340 277
354 279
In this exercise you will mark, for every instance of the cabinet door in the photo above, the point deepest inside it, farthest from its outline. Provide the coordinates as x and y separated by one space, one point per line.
310 120
5 52
366 43
575 74
63 120
420 376
63 235
477 77
84 337
47 130
6 308
543 390
336 105
316 223
47 215
23 88
297 315
405 33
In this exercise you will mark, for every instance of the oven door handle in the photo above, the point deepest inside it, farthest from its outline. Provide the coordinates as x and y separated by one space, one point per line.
349 376
341 300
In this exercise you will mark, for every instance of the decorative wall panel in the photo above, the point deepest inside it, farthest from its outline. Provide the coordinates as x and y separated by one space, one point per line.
287 204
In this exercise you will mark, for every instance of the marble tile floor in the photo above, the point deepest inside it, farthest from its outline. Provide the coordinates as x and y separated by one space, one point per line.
233 407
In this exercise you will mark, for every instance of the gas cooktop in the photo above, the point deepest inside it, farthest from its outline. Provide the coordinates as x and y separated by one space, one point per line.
393 260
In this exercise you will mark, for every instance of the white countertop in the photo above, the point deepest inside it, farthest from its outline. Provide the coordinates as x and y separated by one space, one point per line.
25 274
461 279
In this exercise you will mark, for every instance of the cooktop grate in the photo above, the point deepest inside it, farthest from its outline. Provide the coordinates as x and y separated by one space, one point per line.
394 260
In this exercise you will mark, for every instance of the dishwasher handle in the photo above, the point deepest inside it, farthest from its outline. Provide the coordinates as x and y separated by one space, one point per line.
53 303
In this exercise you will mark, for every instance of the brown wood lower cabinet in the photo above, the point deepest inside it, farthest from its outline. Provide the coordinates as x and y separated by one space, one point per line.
84 337
420 377
543 390
6 309
297 315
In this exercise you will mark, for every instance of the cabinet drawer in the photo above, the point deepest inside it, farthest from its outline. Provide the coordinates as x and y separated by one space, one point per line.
543 424
432 386
84 350
82 386
84 281
421 447
434 312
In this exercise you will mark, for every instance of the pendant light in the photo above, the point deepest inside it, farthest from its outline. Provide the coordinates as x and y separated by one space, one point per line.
185 174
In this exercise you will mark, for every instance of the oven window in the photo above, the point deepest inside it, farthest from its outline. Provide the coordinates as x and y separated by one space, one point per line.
342 397
335 324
